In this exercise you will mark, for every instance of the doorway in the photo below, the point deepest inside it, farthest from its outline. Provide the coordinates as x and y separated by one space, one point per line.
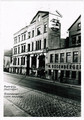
28 63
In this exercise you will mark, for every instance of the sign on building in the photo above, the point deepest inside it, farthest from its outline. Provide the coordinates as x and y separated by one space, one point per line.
54 22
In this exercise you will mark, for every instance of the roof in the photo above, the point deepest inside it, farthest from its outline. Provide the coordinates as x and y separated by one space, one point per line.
74 22
46 13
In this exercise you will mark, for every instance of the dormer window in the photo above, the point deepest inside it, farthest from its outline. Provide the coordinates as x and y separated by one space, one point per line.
78 26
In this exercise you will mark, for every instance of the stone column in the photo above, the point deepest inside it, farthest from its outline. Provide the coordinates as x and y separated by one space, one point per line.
37 60
30 62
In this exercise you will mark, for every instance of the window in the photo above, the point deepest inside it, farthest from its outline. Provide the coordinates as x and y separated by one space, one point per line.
29 35
23 48
32 33
51 58
74 40
62 57
14 61
32 46
68 57
19 38
15 40
44 43
18 61
45 28
10 59
33 62
73 74
18 49
15 50
38 31
79 39
56 58
40 44
67 74
22 60
28 47
75 56
36 46
78 26
24 36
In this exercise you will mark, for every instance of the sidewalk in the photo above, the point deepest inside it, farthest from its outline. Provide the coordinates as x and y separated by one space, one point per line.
10 110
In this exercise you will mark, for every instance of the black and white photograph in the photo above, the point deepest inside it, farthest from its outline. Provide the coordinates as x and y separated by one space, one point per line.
42 54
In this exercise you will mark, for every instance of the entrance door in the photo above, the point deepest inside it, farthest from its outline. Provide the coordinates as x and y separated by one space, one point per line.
56 72
28 61
79 78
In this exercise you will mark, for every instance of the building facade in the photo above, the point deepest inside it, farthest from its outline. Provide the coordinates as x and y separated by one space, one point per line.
31 44
38 49
7 60
64 63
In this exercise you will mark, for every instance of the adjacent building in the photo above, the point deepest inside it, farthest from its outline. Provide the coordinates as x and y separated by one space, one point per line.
7 60
64 63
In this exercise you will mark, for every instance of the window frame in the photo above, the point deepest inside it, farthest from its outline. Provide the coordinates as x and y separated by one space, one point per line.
61 57
76 56
68 54
45 43
32 33
51 58
38 31
28 47
29 35
56 61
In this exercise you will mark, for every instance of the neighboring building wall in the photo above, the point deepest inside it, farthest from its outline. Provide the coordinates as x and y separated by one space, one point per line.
55 65
64 64
75 33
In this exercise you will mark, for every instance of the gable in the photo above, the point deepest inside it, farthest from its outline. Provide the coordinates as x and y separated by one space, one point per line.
39 13
75 23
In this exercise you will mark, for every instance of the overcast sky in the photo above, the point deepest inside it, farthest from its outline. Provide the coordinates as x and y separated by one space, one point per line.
17 14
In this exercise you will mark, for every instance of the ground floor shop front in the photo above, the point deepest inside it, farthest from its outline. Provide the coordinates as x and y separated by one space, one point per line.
29 64
65 73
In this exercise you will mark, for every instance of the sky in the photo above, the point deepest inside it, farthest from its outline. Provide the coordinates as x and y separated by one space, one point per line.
17 14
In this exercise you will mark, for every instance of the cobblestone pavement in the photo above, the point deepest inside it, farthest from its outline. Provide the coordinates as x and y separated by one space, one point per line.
40 104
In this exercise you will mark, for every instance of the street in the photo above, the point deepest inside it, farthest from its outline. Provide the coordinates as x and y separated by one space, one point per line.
45 86
37 97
